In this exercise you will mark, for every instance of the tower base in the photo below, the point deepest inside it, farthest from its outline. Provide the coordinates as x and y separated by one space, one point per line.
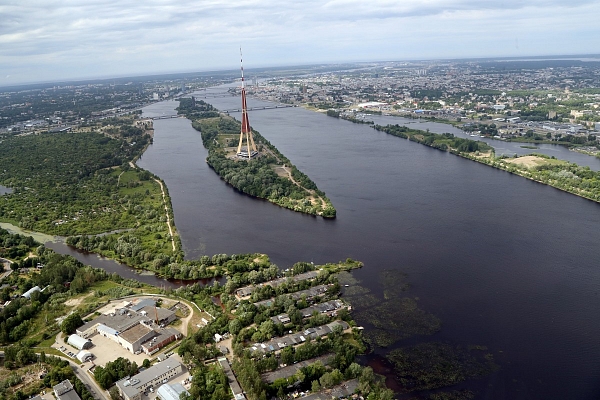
244 153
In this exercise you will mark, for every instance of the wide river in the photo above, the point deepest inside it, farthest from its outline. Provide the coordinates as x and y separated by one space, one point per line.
503 261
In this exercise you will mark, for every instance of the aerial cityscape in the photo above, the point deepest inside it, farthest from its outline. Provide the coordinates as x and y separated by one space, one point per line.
377 201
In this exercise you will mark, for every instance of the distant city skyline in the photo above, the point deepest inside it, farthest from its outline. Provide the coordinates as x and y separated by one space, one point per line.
108 38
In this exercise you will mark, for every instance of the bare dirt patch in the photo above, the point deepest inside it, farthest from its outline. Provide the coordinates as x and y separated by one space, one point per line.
77 301
526 161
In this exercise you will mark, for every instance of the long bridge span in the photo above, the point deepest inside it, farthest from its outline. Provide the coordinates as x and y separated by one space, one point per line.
259 108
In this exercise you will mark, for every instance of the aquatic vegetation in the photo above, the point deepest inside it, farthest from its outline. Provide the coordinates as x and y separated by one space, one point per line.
453 395
346 278
394 283
363 301
402 318
381 337
396 318
434 365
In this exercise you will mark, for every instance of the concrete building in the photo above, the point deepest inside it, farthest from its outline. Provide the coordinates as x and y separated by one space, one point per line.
132 388
65 391
133 337
78 342
134 327
164 337
171 392
162 315
116 322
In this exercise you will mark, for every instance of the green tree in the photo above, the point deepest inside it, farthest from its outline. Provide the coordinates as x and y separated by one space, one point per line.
315 386
71 323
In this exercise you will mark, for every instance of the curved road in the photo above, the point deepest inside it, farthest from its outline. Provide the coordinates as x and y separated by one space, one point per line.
83 376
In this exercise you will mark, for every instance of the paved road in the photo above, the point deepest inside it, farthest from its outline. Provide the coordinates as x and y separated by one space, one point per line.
82 373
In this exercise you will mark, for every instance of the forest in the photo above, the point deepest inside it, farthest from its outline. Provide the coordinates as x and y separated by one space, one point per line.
256 177
81 184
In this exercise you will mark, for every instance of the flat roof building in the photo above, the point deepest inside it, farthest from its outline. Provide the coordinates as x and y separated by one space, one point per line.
132 388
236 389
65 391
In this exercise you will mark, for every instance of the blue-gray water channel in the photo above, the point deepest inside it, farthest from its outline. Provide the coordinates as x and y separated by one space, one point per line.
503 261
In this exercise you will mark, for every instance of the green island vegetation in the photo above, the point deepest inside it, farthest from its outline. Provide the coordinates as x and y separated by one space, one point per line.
395 322
563 175
84 185
269 176
445 142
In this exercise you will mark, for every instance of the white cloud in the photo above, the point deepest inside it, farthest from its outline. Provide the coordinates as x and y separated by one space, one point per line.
73 39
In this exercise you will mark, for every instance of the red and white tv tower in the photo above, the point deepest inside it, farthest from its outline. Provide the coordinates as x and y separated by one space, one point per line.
249 150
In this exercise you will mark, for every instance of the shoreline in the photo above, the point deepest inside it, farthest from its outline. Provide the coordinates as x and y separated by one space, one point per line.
498 163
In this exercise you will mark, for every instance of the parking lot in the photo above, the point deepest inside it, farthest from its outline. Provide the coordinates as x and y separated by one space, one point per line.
106 350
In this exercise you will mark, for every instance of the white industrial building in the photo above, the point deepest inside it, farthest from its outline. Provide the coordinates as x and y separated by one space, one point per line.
28 293
78 342
171 392
84 355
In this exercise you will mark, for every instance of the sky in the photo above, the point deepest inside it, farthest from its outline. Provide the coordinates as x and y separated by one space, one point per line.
43 40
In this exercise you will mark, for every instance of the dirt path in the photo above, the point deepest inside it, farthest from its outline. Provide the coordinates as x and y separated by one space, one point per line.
186 321
167 213
119 178
312 192
162 189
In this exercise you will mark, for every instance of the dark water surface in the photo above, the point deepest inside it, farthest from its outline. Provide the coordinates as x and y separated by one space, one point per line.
503 261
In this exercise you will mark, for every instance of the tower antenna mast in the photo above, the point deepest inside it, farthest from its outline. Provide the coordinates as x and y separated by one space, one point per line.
246 131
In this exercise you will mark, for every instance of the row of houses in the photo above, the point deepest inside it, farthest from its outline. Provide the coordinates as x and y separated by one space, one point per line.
275 345
245 292
328 307
234 385
308 294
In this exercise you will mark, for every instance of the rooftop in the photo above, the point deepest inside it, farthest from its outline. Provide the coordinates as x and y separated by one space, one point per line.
135 333
131 386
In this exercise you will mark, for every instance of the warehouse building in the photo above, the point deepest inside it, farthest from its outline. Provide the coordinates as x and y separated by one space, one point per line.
78 342
132 388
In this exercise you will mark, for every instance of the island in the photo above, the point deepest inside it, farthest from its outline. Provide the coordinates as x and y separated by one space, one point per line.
268 175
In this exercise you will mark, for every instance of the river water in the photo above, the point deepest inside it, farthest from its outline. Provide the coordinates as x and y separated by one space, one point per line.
503 261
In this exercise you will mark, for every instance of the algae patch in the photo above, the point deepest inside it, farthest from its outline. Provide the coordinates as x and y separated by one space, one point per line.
434 365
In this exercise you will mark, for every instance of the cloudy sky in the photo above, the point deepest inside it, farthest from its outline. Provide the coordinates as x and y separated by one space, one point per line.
43 40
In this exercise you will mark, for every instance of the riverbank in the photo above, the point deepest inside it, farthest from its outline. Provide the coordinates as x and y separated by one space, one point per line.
269 175
562 175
